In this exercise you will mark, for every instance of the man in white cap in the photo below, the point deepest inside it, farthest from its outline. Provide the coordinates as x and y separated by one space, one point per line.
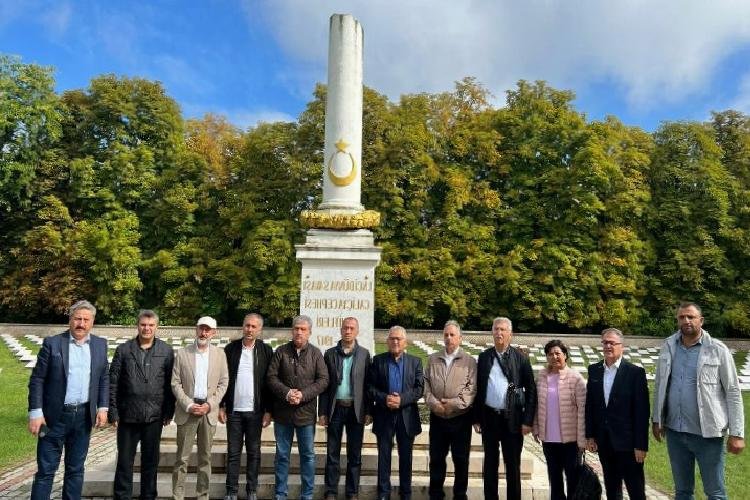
199 381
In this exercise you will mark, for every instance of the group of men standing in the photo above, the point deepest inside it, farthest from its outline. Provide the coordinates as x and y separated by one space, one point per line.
697 401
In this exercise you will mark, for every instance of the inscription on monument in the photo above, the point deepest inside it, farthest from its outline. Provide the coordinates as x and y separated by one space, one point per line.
328 296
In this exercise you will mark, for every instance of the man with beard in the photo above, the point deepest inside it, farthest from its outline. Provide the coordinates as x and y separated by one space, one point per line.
140 403
344 405
697 400
199 381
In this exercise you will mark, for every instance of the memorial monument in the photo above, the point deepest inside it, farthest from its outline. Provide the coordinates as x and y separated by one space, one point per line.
339 254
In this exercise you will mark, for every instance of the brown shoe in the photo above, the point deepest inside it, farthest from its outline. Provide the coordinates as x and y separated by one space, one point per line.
330 497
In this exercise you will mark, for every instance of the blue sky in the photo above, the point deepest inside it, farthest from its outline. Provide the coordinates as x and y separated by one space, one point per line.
644 61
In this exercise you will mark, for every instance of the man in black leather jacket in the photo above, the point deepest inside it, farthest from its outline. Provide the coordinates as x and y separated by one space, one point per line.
140 403
246 405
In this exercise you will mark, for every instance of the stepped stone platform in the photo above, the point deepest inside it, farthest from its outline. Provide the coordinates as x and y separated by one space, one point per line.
98 480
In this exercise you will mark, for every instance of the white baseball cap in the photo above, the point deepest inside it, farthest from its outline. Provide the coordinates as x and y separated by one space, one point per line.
208 321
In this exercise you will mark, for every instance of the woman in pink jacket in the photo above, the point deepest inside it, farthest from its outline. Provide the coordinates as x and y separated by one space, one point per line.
559 422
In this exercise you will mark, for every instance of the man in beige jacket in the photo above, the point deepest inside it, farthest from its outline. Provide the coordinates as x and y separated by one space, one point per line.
450 385
199 381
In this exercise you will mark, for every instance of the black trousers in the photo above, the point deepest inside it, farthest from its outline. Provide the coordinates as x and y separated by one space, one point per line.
619 467
243 427
128 437
561 457
385 447
496 433
344 417
452 434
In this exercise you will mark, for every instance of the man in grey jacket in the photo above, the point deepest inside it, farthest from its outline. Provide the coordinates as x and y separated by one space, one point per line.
697 401
344 405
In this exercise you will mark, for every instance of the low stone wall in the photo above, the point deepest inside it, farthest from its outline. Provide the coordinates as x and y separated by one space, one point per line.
478 337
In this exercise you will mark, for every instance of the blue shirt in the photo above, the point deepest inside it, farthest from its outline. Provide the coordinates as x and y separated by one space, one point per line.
395 375
682 395
344 390
79 372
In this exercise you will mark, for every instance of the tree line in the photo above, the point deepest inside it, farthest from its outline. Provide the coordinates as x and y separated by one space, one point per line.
528 210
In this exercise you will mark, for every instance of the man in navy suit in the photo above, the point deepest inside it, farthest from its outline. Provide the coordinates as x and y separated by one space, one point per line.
68 394
617 418
395 384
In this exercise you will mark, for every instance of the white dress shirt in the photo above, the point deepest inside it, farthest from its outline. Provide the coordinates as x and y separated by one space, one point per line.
610 372
200 388
497 386
244 389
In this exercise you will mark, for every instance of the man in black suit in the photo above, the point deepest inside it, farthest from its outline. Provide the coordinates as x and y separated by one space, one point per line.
617 418
504 408
395 384
68 394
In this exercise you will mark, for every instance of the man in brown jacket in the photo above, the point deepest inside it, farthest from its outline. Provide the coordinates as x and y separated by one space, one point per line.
450 384
199 381
296 376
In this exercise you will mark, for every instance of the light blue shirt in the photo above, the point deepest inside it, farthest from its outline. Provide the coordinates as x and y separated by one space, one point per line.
79 372
682 395
497 387
344 390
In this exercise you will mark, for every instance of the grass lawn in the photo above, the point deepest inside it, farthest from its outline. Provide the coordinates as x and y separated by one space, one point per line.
16 444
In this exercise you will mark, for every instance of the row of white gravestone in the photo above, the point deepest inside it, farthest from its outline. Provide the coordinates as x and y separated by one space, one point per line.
580 356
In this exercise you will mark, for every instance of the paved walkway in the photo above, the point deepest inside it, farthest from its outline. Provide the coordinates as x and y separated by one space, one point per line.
16 483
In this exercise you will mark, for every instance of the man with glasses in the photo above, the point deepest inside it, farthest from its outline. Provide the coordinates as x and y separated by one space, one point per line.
395 385
697 401
617 414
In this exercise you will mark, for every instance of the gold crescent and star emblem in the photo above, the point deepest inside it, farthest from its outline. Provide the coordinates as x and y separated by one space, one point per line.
342 180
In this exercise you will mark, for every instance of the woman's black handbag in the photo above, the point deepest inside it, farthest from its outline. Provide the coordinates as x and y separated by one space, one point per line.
588 486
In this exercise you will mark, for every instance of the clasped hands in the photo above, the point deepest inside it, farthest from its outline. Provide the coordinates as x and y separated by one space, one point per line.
200 410
393 401
294 397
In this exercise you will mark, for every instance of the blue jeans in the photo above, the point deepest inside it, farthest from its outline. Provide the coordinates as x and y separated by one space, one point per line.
72 433
305 444
684 449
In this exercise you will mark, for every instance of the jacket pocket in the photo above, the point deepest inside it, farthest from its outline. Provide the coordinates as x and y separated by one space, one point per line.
709 372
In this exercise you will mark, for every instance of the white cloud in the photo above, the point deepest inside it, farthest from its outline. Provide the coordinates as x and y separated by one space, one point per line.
57 18
656 52
241 118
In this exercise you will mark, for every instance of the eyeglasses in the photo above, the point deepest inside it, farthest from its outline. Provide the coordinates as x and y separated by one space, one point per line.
396 339
606 343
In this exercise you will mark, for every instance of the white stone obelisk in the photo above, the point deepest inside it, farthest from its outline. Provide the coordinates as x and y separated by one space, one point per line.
339 256
342 176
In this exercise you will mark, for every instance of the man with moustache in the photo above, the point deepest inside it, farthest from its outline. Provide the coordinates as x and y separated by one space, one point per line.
199 381
140 403
504 408
617 418
297 375
246 406
697 400
345 405
68 394
395 384
450 384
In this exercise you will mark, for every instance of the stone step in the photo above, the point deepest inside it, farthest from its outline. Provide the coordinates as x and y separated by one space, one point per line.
99 484
420 460
169 435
